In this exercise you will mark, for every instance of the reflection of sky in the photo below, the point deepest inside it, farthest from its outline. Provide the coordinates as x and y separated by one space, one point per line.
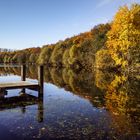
63 112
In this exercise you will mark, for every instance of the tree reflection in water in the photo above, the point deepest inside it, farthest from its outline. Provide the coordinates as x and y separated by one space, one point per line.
118 94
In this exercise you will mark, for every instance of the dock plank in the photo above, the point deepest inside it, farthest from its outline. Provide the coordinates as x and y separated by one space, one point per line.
19 84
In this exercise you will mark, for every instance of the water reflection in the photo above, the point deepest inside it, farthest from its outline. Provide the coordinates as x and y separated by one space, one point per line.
22 101
106 105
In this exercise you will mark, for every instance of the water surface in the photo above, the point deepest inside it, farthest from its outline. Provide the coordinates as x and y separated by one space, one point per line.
76 105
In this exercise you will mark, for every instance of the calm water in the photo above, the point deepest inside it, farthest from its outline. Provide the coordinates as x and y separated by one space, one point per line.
76 105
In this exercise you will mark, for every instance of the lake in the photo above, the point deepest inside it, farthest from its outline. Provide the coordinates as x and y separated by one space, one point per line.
76 105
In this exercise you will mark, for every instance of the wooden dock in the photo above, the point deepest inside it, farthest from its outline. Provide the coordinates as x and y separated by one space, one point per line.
23 99
23 84
19 84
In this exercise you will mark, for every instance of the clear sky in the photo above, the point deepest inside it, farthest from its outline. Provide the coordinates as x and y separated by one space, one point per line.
32 23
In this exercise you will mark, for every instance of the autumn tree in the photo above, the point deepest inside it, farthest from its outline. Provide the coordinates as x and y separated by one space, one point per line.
57 54
124 37
46 52
103 60
99 36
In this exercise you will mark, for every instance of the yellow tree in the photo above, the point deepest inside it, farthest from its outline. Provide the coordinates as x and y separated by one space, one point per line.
103 59
124 37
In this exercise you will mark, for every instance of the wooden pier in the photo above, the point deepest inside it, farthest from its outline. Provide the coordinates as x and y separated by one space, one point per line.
23 83
24 99
20 84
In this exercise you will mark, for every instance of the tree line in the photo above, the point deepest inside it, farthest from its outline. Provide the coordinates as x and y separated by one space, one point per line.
106 46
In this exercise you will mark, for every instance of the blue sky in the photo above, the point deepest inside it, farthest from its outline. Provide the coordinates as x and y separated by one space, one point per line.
32 23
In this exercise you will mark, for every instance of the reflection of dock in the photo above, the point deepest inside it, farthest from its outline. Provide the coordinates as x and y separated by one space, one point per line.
17 101
22 102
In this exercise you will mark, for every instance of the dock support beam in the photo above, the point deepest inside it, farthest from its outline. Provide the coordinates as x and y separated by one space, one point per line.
23 73
41 80
23 76
40 110
40 93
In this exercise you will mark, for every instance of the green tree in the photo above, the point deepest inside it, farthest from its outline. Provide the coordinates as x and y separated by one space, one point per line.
46 52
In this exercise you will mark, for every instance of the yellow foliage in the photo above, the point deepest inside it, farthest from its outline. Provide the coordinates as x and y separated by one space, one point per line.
124 36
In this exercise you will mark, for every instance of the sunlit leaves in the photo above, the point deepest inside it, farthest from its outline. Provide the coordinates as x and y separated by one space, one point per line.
124 36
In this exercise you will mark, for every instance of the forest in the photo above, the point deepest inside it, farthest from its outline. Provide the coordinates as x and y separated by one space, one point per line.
112 46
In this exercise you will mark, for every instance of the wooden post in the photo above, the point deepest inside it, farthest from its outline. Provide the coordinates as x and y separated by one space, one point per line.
23 72
40 80
2 93
40 110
